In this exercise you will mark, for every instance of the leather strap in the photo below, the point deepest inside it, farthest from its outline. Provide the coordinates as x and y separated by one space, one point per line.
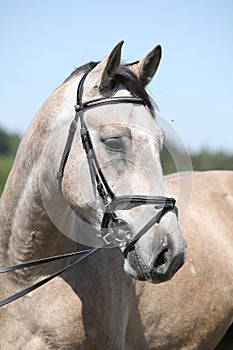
79 108
155 220
29 289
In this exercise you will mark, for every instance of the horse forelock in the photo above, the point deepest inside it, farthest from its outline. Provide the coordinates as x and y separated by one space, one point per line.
123 76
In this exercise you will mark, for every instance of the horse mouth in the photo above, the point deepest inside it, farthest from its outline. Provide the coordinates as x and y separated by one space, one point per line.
162 267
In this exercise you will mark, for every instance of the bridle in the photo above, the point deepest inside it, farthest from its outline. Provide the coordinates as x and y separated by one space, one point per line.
113 229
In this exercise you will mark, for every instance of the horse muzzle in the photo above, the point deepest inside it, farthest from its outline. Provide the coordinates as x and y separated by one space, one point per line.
158 260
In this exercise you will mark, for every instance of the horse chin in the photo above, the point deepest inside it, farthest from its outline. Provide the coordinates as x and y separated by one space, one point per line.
163 269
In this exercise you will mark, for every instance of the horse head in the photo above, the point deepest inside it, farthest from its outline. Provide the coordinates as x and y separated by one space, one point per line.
110 174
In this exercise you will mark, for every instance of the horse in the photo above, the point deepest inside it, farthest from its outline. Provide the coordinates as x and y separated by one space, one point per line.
94 184
195 309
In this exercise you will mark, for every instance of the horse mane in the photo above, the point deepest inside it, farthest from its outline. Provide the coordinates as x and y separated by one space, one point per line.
123 76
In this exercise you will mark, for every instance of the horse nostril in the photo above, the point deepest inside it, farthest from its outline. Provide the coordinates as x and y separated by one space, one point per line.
161 258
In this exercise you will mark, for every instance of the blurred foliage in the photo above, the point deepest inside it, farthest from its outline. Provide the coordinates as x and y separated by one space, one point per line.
8 143
8 147
204 160
168 163
6 163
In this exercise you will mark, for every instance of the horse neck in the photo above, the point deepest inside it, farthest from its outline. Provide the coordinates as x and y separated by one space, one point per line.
26 231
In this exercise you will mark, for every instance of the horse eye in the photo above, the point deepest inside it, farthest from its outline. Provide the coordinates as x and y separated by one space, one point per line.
113 144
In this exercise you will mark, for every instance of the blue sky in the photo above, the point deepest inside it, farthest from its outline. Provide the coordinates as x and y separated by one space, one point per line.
43 41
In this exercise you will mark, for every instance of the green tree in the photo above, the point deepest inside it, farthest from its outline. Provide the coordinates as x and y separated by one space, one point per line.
8 147
8 143
201 161
6 163
206 160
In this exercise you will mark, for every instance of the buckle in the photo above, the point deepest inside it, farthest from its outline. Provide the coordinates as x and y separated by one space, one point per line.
109 237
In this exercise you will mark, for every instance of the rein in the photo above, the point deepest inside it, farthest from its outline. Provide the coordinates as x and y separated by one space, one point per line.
112 227
26 264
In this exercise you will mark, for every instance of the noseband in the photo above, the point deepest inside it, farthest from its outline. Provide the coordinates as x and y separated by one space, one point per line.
112 227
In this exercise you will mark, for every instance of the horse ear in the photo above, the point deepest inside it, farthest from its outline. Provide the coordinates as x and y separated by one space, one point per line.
108 66
146 68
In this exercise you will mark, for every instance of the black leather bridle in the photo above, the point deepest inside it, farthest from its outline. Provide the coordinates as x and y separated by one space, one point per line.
113 229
